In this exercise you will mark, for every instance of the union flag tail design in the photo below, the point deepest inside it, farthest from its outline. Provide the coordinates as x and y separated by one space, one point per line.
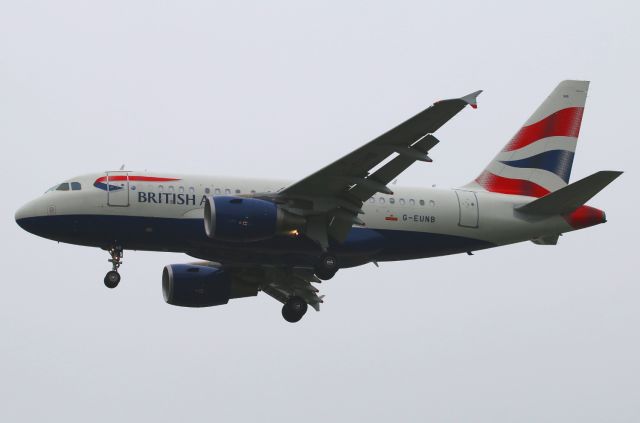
538 159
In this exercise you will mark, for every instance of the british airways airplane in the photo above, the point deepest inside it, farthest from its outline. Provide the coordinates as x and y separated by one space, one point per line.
281 238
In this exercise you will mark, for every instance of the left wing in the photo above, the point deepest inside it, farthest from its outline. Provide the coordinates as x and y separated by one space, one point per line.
332 197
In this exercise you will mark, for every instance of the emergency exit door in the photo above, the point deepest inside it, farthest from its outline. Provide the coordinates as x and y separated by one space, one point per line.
468 205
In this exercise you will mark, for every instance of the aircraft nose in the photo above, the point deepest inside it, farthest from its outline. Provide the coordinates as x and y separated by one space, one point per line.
22 213
26 214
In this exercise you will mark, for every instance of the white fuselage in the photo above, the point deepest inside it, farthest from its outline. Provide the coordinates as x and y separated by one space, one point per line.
140 212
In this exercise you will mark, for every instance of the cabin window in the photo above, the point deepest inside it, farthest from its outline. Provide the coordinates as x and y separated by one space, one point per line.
63 187
217 191
422 202
402 202
392 200
75 186
207 190
160 188
181 190
170 188
227 191
372 200
412 202
192 190
381 200
253 191
237 191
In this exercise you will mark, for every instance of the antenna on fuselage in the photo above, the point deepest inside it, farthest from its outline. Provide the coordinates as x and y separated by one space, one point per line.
122 167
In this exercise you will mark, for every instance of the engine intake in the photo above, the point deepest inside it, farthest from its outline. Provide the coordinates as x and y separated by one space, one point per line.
239 219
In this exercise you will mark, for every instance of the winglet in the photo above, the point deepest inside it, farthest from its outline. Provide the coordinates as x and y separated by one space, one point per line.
472 99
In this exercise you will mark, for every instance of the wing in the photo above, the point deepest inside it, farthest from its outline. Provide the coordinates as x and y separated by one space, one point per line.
332 197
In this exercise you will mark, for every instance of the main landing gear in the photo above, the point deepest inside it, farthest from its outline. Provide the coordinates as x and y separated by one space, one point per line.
112 278
327 266
294 309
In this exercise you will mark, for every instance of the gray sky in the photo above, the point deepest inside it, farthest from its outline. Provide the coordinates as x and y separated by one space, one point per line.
522 333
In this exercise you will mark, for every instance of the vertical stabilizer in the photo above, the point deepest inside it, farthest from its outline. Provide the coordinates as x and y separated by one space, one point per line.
538 159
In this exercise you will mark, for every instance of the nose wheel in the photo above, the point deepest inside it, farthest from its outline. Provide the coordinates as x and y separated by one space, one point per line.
112 278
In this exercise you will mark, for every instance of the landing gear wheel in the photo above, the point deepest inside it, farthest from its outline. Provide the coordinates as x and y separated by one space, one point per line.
294 309
325 275
327 266
112 279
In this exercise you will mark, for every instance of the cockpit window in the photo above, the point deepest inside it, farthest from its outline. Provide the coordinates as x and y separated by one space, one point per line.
63 187
75 186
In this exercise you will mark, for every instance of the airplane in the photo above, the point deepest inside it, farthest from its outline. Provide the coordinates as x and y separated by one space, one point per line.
283 237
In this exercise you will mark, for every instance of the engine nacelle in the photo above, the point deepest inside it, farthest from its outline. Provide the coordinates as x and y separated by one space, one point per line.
240 219
195 286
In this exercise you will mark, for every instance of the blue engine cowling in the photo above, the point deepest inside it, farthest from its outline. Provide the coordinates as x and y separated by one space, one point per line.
188 285
240 219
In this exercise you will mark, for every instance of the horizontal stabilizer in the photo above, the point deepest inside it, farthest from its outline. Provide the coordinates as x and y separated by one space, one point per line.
572 196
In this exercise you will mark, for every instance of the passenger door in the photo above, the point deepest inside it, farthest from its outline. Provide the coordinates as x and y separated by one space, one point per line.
118 189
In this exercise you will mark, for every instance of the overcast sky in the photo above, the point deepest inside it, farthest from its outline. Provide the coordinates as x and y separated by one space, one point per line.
522 333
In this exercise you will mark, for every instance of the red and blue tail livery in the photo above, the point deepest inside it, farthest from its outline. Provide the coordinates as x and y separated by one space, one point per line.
539 157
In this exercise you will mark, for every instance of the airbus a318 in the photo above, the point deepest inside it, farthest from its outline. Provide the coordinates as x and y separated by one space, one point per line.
282 238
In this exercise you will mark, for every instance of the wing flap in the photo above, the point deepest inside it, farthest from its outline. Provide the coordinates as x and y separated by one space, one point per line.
393 168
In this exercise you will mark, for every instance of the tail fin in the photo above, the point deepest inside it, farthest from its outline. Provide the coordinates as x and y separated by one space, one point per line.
538 159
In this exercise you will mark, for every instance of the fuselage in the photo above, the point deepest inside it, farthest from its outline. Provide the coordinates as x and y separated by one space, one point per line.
164 212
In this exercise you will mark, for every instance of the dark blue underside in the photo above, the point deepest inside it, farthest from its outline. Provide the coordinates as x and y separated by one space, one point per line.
188 236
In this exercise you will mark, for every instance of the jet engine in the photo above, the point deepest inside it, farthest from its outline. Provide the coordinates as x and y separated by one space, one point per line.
188 285
195 286
239 219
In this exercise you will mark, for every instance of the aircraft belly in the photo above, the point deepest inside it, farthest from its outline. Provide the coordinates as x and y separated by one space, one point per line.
188 235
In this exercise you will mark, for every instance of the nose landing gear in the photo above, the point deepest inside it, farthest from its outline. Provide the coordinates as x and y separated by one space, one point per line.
112 278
